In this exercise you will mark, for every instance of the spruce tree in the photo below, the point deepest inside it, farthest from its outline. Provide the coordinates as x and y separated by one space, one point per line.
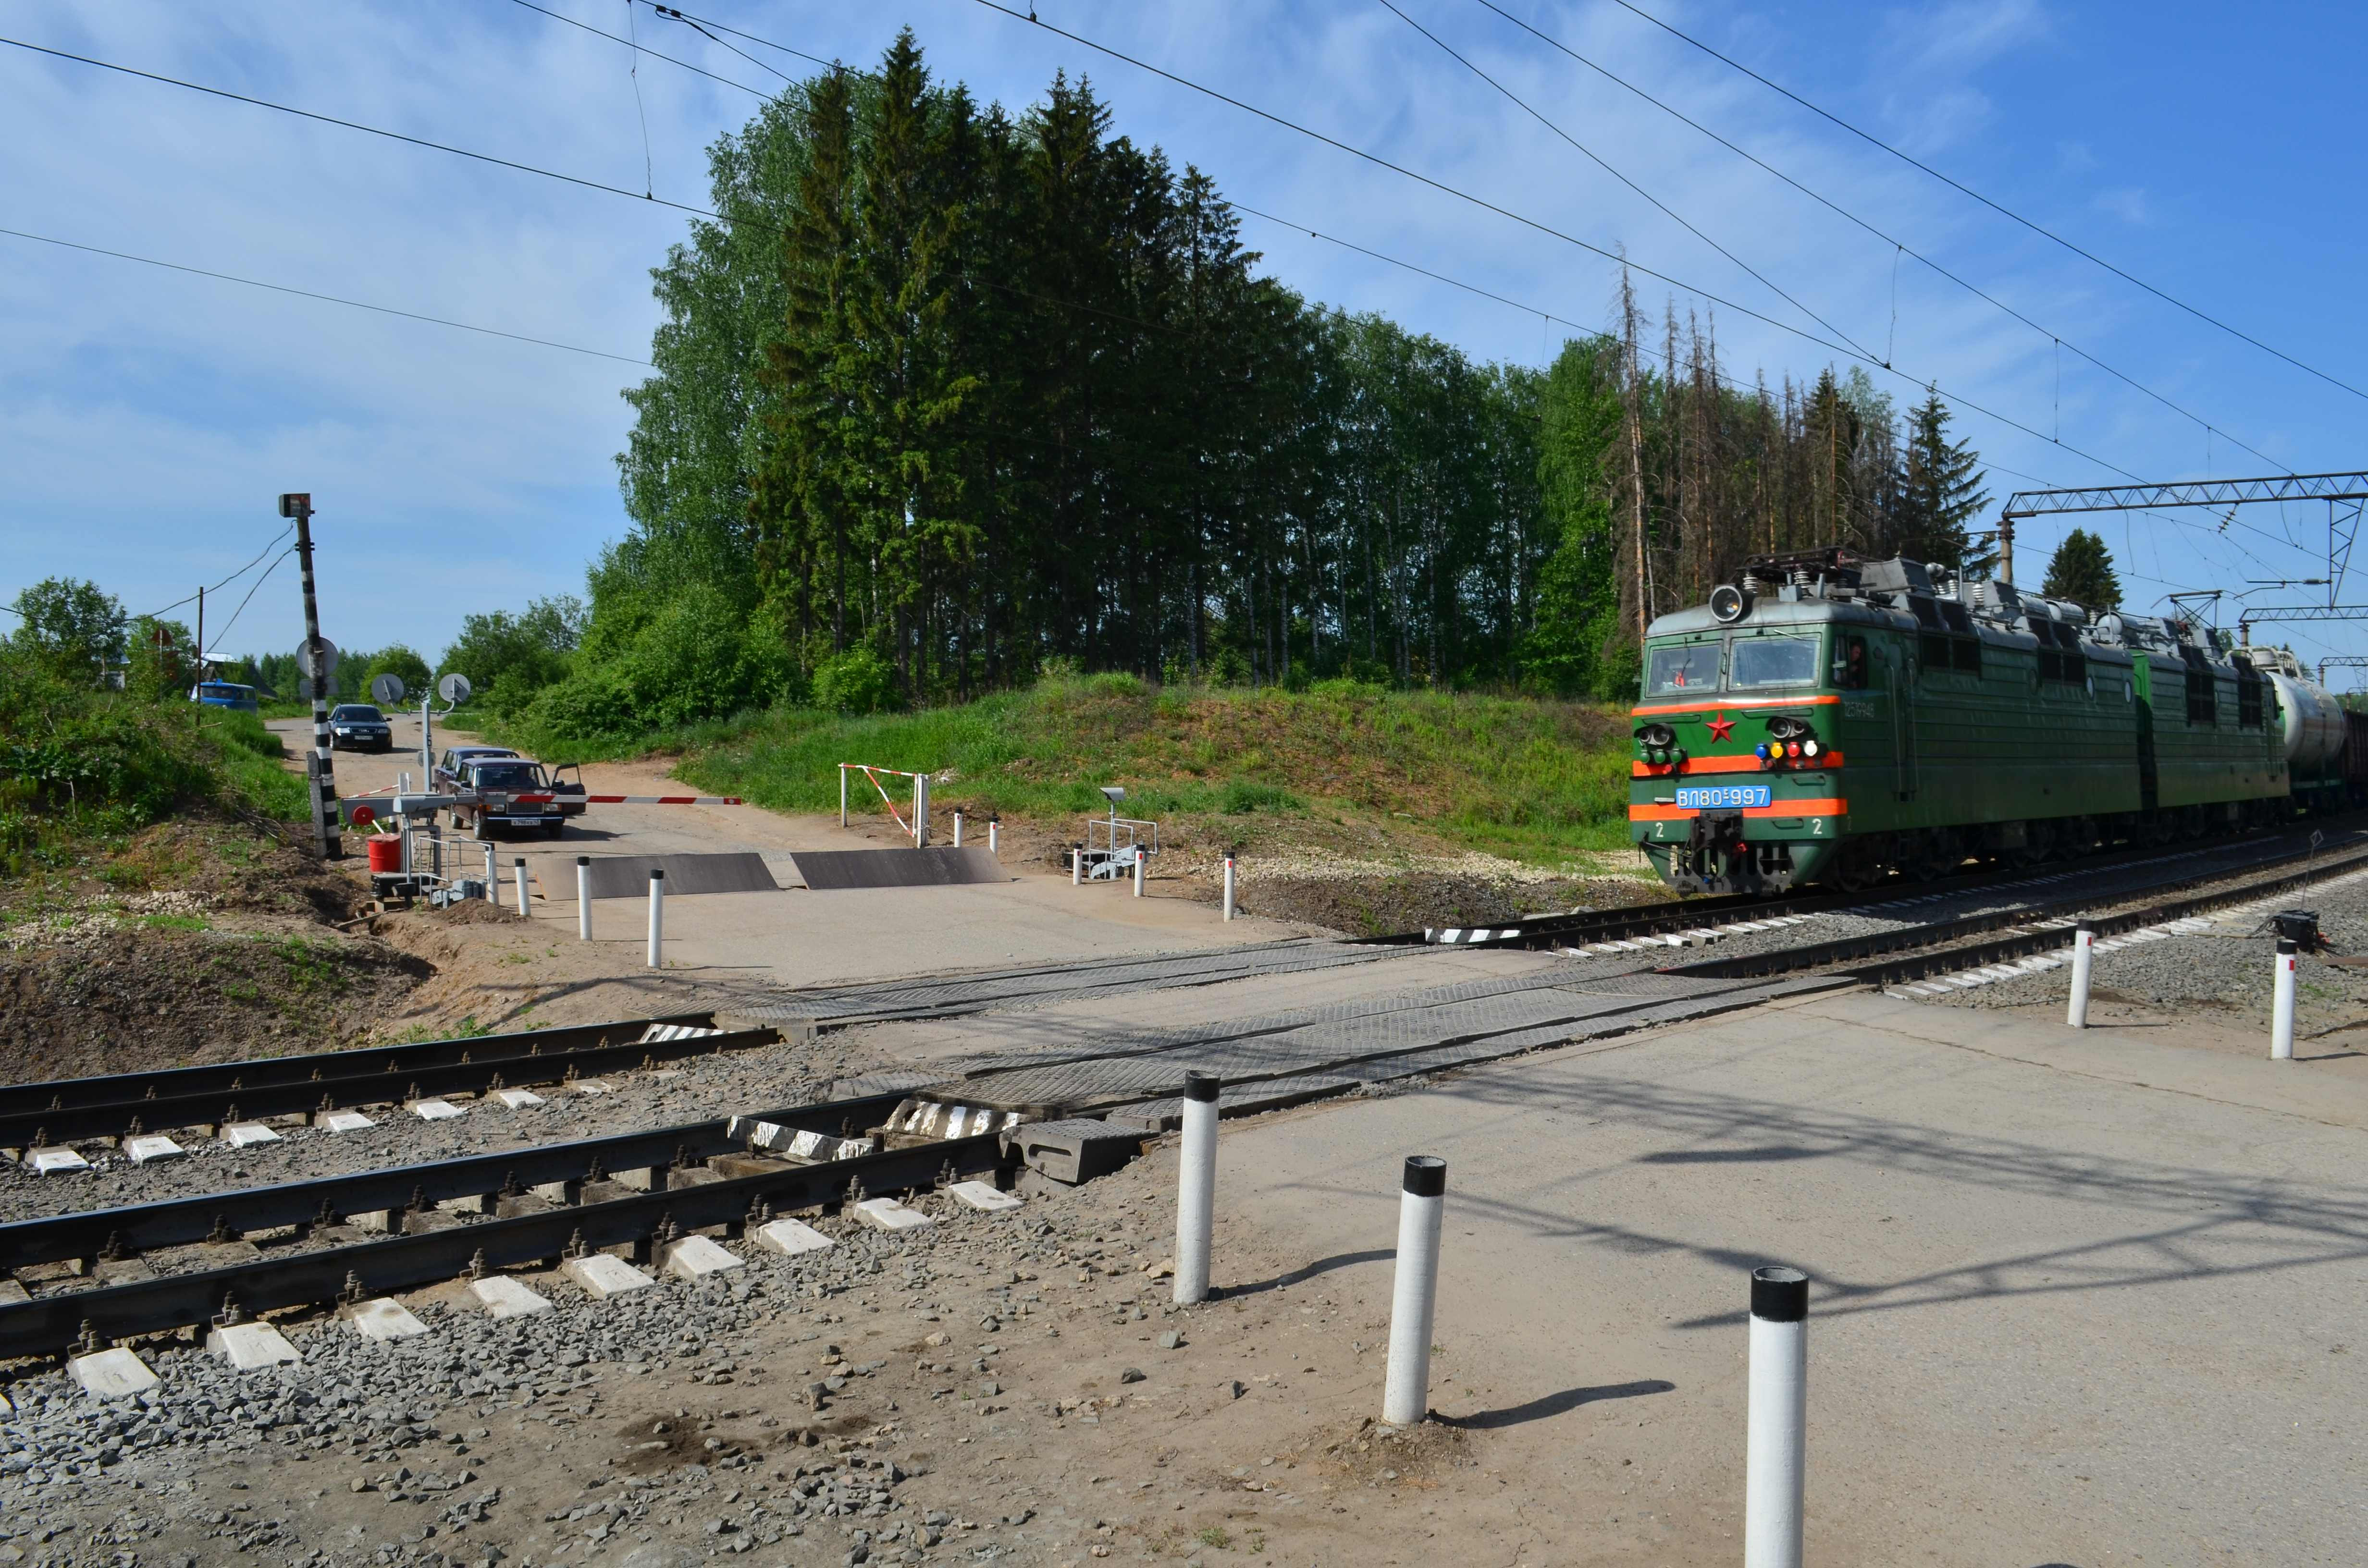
1940 494
2083 571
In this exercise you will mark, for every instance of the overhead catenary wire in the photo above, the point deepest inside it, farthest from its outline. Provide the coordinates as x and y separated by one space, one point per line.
1596 158
1485 204
1999 208
1477 291
1900 248
520 167
325 298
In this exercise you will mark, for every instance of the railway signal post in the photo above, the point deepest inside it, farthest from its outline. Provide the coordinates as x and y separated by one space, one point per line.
1196 1188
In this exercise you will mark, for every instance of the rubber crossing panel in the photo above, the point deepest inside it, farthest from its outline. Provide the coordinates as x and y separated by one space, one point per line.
628 875
833 870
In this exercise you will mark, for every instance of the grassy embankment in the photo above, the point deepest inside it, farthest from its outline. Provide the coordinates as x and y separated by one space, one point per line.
1530 781
81 771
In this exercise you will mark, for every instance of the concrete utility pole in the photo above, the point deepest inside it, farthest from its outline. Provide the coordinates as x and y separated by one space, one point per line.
320 775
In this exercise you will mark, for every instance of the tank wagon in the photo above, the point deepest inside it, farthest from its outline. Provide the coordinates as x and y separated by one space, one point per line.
1831 719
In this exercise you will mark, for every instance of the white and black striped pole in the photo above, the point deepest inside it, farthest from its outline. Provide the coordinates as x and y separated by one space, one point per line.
584 898
2084 955
1229 887
1413 1301
2282 1002
1778 1421
518 875
320 772
657 915
1196 1188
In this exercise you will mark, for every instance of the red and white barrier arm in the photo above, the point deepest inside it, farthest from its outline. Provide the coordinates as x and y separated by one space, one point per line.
635 799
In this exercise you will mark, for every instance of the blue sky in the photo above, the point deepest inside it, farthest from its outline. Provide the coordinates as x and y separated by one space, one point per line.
147 419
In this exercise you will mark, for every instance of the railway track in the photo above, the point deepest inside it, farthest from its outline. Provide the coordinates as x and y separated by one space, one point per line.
1690 922
126 1105
351 1239
1913 952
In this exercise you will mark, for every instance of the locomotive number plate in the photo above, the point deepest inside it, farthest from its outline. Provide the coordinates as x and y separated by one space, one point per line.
1721 797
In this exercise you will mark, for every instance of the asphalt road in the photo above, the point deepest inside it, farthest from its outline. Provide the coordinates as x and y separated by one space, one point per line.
2061 1315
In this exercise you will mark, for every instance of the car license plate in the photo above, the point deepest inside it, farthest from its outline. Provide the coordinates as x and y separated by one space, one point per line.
1721 797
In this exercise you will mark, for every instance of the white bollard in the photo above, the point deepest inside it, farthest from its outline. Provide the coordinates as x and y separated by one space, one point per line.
842 794
1777 1424
920 811
1196 1188
957 828
2084 943
584 898
1229 887
657 916
1076 867
2282 1005
1138 873
492 888
1414 1302
993 847
518 874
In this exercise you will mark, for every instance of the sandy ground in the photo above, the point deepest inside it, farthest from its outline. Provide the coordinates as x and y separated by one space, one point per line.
727 947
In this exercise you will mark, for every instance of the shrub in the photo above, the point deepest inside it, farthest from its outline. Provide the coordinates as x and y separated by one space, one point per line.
856 682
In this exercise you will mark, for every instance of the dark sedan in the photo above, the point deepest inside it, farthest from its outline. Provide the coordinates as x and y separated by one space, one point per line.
358 726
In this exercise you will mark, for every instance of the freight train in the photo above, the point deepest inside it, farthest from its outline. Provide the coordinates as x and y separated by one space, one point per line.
1830 719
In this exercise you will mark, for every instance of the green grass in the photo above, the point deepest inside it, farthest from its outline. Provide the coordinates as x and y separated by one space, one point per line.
1512 775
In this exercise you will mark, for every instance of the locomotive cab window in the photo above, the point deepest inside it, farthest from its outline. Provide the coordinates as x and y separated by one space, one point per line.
1774 661
1689 667
1851 665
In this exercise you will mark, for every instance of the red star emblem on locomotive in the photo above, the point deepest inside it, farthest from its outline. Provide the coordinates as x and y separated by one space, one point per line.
1720 726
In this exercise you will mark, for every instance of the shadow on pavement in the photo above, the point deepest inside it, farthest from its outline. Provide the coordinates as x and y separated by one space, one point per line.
1553 1404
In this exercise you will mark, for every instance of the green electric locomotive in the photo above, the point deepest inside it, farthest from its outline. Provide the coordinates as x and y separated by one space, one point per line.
1831 719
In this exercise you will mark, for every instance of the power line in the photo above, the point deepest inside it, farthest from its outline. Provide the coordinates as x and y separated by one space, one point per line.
1900 246
1525 108
1994 206
698 211
224 634
1487 205
1952 397
643 48
326 299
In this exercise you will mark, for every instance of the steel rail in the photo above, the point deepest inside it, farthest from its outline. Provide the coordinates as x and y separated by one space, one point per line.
1920 966
68 1093
103 1234
221 1106
47 1324
1942 935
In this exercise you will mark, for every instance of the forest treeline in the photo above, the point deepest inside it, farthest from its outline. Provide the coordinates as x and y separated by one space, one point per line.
949 396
